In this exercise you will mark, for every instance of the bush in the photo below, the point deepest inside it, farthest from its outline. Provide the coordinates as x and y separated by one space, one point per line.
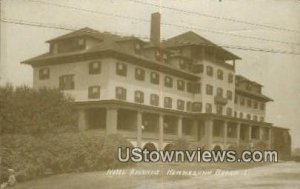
181 144
34 157
29 111
109 156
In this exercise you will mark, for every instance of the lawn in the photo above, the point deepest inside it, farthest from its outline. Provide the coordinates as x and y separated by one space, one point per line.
145 175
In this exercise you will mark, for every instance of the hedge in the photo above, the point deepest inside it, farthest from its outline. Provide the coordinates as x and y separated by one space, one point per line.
25 110
34 157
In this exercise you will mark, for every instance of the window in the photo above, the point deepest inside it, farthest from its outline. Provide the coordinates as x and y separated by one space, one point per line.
209 71
139 97
236 99
262 106
121 93
182 64
237 83
197 88
154 78
180 104
209 90
229 111
168 102
188 106
44 73
241 115
220 74
72 44
66 82
168 82
208 108
154 99
242 101
139 74
189 87
219 109
235 114
94 92
165 58
255 118
158 55
219 92
137 48
262 119
249 103
197 107
230 78
180 85
248 116
94 67
255 105
249 87
121 69
229 95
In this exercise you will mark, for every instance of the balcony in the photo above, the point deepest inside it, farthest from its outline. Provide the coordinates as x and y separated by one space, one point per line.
220 100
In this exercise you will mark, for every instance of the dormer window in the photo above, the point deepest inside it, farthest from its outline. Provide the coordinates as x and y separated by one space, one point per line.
81 42
165 58
249 87
69 45
137 48
157 55
182 64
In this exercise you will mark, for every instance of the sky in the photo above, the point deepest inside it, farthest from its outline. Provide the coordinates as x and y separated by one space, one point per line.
278 73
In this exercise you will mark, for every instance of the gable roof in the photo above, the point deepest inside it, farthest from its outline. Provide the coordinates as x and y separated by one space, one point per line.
191 38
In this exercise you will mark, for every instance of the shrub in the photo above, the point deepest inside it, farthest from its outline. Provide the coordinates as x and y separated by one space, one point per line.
30 111
181 144
109 156
34 157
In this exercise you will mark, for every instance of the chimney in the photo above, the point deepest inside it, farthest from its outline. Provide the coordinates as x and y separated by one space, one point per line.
155 29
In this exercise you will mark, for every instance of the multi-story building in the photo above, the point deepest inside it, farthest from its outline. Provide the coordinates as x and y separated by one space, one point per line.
155 92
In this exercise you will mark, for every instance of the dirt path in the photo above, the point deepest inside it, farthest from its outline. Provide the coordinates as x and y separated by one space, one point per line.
280 175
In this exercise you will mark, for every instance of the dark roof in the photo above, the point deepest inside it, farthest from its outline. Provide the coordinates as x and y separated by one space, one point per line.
81 32
242 78
191 38
253 94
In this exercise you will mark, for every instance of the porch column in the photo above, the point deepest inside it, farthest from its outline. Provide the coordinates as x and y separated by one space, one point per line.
179 127
249 132
111 120
160 131
82 120
238 132
139 124
225 132
261 133
208 132
270 138
195 129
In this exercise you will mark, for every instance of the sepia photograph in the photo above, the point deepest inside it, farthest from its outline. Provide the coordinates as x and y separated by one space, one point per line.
119 94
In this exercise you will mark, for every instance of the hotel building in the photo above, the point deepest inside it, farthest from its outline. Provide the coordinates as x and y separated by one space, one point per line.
155 92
